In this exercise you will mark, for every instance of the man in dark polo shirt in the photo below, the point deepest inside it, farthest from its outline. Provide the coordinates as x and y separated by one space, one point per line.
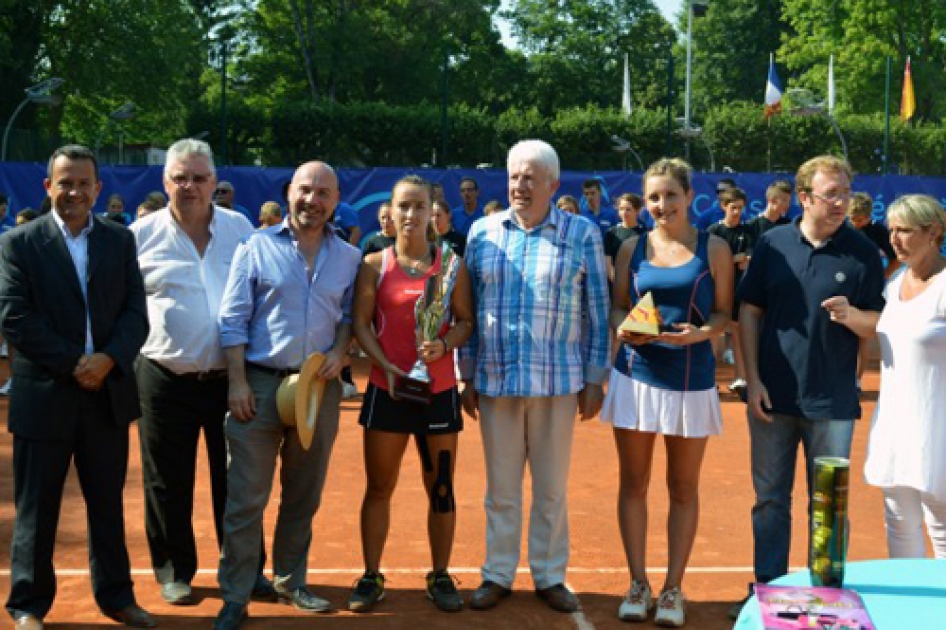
814 287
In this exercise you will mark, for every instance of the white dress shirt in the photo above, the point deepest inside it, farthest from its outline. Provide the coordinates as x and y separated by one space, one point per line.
184 290
78 247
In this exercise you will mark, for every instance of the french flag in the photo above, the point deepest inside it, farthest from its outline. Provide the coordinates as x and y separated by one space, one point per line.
773 90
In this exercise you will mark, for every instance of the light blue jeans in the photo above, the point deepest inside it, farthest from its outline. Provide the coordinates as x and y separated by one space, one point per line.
774 452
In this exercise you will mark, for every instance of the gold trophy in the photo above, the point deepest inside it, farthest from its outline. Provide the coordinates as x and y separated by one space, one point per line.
430 311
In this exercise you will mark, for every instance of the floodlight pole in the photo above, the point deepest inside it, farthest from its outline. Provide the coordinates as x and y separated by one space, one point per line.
686 99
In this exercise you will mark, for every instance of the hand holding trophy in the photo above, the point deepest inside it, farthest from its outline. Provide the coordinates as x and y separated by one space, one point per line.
430 311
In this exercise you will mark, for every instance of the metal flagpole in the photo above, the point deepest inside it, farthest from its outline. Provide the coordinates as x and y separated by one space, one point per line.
886 158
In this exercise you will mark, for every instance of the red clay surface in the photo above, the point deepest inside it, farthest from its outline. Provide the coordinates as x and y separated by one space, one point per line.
719 565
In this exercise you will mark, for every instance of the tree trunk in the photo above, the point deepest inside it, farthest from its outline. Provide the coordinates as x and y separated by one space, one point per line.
305 36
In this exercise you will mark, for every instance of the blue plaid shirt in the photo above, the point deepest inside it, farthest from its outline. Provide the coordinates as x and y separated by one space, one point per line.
542 306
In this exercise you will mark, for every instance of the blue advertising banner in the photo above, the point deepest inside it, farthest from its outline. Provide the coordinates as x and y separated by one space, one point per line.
365 189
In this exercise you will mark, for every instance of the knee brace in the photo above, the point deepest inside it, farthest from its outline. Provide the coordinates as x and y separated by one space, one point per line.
441 493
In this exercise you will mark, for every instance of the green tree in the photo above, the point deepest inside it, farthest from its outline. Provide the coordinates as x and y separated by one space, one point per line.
576 48
109 52
348 51
862 34
21 39
731 47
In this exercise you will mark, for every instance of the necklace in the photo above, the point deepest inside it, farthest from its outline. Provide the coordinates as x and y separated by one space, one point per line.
413 266
672 247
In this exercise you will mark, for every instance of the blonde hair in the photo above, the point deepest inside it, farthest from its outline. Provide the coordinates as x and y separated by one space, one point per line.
861 205
825 163
567 199
271 209
778 186
492 206
674 168
919 212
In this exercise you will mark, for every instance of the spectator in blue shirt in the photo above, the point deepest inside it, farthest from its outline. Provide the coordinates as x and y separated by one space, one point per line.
463 216
289 294
595 207
715 213
812 290
347 224
538 355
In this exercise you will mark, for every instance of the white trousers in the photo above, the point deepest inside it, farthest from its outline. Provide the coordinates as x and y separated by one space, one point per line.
905 510
539 431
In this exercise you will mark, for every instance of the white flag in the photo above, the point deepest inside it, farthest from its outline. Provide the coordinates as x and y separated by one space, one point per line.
626 100
831 84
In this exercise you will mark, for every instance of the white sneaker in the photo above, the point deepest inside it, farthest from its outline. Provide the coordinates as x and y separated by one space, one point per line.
637 603
729 357
671 609
349 390
738 386
5 388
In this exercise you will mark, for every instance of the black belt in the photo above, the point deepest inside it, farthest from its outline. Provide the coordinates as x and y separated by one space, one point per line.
277 372
208 375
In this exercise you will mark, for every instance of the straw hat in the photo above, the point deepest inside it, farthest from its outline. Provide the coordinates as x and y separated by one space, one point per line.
299 397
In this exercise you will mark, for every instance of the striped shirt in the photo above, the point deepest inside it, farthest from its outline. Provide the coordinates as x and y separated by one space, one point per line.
542 306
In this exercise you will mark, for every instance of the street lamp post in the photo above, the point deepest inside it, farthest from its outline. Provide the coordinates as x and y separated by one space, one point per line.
225 32
125 112
41 94
624 146
697 132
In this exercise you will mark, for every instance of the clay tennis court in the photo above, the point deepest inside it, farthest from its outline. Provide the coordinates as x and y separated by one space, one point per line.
719 568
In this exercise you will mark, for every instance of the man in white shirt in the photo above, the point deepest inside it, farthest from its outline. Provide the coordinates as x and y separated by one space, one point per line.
184 255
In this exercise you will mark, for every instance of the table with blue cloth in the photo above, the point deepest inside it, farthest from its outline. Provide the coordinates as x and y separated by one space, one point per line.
898 594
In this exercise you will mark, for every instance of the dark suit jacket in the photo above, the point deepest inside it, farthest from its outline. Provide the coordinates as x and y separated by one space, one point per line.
43 315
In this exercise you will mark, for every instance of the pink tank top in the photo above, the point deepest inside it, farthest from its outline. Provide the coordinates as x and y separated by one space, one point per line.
395 327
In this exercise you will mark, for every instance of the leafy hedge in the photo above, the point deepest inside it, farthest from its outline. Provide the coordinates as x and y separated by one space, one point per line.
736 134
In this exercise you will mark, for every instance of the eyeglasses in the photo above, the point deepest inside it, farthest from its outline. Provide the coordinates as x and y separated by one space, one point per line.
833 199
222 191
184 180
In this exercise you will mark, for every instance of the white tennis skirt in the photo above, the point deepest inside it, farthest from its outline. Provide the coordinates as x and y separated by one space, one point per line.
638 406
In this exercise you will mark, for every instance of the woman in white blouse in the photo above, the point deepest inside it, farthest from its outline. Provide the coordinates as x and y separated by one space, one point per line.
906 452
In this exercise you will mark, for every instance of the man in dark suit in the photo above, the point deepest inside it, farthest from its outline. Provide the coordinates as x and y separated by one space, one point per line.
72 303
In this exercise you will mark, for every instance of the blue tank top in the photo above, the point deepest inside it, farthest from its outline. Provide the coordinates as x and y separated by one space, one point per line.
682 294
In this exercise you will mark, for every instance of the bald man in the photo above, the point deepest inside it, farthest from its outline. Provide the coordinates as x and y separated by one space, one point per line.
289 294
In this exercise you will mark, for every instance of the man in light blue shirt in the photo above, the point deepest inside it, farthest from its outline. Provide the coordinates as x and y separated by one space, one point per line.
538 354
289 294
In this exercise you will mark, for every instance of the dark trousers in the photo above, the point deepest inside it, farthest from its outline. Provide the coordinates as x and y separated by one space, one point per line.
175 409
100 451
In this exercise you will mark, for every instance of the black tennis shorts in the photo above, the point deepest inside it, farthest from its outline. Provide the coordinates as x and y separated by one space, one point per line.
380 412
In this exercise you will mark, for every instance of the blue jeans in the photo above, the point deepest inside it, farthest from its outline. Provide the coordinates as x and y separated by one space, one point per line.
774 451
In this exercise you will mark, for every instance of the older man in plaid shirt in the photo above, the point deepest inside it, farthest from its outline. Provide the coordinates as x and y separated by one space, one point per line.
538 355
